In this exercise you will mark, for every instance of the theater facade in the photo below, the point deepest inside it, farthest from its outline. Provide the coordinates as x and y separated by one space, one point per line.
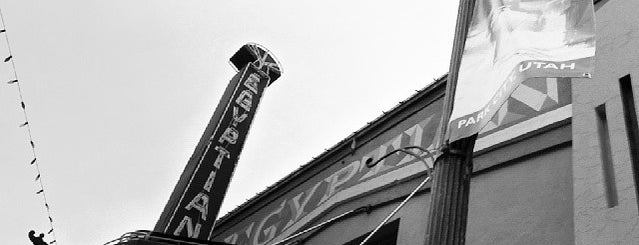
558 164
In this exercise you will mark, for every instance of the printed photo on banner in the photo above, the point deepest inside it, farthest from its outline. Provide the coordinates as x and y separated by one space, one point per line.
510 41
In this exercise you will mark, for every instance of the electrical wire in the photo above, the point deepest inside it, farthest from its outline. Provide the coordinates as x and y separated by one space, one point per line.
428 178
320 225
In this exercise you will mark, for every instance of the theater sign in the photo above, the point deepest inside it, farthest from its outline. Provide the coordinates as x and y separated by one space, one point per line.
196 200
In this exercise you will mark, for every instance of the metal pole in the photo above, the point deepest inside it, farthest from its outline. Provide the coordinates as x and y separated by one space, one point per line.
451 179
464 17
449 198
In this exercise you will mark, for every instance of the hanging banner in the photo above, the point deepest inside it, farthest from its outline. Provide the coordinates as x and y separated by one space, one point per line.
510 41
198 195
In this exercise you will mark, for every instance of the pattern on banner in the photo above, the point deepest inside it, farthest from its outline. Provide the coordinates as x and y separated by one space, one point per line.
533 97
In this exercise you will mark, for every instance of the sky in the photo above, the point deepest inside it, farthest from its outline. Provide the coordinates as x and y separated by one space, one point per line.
119 92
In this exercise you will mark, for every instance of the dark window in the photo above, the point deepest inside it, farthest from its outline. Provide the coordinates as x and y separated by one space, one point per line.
606 156
599 3
387 235
632 130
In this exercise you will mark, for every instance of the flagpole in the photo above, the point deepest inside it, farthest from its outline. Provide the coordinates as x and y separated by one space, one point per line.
448 209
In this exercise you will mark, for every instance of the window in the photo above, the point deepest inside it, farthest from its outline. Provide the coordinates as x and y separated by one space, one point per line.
599 3
606 157
387 235
632 129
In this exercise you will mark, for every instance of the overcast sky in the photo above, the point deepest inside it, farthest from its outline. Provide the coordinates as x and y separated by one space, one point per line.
119 92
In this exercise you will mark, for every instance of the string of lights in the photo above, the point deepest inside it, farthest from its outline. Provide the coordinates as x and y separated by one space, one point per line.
16 82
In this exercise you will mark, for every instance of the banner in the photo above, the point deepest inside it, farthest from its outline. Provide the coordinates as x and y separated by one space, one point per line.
510 41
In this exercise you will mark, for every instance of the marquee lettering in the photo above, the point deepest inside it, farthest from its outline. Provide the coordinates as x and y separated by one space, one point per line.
339 178
245 100
252 82
237 118
229 136
222 153
297 208
267 231
190 232
201 203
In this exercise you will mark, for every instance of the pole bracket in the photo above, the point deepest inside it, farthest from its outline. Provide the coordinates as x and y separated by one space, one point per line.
445 149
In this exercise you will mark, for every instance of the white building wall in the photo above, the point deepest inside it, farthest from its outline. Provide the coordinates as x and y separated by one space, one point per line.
617 56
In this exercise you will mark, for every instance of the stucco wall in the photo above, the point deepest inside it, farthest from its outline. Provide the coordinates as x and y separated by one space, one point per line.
617 56
412 226
525 201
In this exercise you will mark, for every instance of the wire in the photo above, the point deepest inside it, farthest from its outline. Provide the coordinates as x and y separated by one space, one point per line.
428 178
320 225
16 81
